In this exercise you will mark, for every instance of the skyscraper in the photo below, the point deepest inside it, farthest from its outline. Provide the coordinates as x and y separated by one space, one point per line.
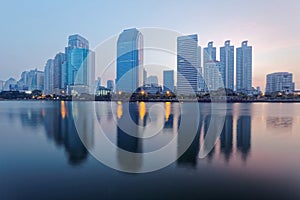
58 72
110 85
1 85
280 82
209 54
49 77
187 72
80 67
168 76
244 68
227 65
129 60
152 80
213 75
200 70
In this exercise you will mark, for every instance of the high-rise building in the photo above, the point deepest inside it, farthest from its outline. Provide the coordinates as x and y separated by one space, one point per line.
9 83
110 85
152 80
200 71
1 85
129 60
209 54
187 65
23 82
49 77
59 61
213 75
145 77
80 67
168 76
244 68
280 82
227 65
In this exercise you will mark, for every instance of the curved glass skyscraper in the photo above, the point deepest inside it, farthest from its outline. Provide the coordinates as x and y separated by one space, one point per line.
129 60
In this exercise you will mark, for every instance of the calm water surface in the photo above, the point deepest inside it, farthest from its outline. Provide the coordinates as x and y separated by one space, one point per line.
42 156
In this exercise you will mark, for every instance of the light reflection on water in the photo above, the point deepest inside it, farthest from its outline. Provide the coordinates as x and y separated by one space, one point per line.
259 142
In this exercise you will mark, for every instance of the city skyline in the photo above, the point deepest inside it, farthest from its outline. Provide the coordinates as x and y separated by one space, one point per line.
274 35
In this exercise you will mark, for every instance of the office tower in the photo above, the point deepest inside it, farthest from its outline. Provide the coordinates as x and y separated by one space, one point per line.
187 73
110 85
9 83
58 72
1 85
209 54
31 80
244 68
168 76
39 81
145 77
280 82
80 67
227 65
23 82
200 71
49 77
98 82
213 75
129 60
152 80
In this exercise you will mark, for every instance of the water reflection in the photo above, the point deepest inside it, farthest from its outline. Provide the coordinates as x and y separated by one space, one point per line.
282 123
132 142
244 136
59 125
226 138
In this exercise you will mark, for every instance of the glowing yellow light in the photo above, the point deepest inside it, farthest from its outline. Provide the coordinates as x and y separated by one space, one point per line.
142 110
142 92
119 110
168 110
168 93
63 109
120 92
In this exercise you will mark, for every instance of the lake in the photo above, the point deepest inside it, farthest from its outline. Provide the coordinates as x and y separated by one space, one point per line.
52 150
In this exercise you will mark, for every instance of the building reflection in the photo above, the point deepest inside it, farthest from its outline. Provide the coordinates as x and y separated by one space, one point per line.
132 143
169 116
226 138
59 125
280 124
207 120
244 136
190 157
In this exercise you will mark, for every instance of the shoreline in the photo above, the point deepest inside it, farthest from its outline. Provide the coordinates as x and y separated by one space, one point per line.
165 100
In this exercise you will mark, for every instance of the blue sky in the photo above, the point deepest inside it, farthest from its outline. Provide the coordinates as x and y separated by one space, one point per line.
34 31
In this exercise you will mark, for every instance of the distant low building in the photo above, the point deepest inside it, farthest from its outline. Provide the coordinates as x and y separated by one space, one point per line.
152 80
150 89
280 82
102 91
10 81
110 85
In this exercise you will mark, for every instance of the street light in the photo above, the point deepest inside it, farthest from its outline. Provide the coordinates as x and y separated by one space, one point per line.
168 92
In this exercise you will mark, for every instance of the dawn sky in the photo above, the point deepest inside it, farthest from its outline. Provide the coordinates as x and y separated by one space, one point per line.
34 31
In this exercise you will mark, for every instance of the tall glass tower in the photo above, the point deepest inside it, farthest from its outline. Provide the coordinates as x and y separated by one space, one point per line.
187 64
80 63
129 61
244 68
209 55
227 65
168 76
